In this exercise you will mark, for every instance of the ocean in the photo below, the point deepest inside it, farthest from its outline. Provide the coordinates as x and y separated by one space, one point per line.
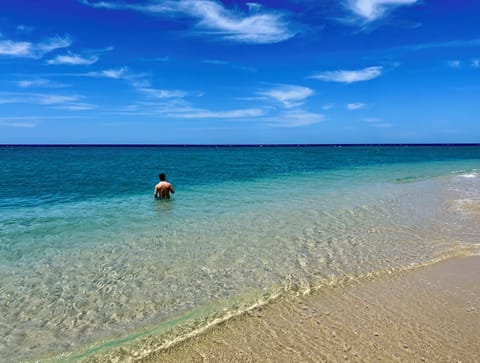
90 261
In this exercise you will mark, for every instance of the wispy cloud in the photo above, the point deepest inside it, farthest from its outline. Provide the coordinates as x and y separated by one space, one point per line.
462 43
294 118
59 101
454 63
257 26
25 28
17 122
76 106
73 59
35 98
371 119
355 106
232 65
114 73
215 61
208 114
161 93
138 82
377 122
350 76
40 83
254 6
22 49
382 125
288 95
370 10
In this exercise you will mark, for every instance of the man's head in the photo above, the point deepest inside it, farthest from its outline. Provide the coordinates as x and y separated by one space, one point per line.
162 177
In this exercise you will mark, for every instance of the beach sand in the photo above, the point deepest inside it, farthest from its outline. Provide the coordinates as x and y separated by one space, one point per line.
427 314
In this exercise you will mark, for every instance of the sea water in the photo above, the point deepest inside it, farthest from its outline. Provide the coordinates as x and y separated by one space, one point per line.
90 260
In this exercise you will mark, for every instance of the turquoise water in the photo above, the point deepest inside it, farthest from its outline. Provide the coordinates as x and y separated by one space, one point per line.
87 255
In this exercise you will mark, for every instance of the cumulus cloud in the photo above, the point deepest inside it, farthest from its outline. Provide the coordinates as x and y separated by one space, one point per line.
355 106
23 49
288 95
212 17
370 10
350 76
73 59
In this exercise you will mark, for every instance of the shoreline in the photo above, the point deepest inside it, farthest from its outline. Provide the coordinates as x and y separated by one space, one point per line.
427 314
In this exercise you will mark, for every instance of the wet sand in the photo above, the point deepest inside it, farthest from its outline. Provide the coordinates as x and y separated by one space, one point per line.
428 314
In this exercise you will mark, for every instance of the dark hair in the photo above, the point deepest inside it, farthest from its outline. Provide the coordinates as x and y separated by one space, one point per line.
162 177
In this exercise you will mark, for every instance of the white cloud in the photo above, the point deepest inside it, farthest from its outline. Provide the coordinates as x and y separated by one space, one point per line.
213 18
25 28
200 113
382 125
328 106
73 59
295 118
138 82
226 63
370 10
76 106
377 122
39 82
15 49
454 64
118 73
288 95
5 122
21 49
350 76
371 119
70 102
52 44
52 99
254 6
355 106
215 61
161 93
476 63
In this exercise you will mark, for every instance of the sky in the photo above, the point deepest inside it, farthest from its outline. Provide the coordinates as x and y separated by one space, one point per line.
239 72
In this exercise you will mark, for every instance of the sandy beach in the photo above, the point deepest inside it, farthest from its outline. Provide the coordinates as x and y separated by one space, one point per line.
428 314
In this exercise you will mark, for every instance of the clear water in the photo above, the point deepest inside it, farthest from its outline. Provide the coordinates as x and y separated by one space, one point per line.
87 255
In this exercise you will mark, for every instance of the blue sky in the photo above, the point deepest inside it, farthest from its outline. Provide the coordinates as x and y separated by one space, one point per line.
206 71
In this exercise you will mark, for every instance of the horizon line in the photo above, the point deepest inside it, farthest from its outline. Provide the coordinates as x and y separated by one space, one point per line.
238 145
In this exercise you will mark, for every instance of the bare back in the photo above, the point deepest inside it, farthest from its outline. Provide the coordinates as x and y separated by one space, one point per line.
163 190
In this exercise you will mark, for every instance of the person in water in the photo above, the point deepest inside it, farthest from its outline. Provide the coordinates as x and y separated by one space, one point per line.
163 188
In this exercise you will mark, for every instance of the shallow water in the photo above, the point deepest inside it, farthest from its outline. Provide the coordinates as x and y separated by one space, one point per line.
86 254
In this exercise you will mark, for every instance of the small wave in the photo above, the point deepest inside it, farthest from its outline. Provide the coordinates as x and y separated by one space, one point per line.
469 175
